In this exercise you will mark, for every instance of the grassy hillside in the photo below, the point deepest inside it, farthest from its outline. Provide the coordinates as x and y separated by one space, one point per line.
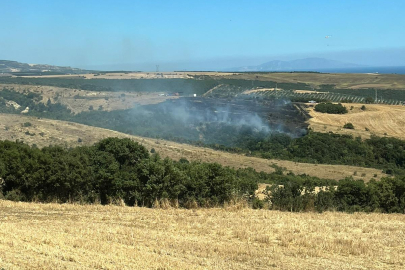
44 236
44 132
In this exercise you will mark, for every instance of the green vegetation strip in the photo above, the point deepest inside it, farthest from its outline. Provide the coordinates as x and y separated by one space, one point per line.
116 170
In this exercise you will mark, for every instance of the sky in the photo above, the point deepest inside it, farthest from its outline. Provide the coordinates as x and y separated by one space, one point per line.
203 35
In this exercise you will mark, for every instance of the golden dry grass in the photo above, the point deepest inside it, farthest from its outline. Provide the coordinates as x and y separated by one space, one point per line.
54 236
67 134
380 120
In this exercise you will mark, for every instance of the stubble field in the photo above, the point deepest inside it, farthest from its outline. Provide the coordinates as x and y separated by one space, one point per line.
55 236
380 120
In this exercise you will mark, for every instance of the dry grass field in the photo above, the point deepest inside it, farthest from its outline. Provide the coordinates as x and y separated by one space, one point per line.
44 132
63 236
380 120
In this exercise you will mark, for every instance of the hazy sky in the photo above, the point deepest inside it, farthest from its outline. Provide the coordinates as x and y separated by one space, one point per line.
206 34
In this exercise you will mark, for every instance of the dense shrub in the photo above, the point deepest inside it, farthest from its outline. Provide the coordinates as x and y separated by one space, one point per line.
348 126
115 169
387 195
120 169
331 108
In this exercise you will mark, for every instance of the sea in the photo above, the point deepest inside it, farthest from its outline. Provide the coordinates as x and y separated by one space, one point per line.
377 70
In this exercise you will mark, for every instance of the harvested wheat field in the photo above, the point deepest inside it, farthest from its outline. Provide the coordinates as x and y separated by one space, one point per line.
380 120
54 236
45 132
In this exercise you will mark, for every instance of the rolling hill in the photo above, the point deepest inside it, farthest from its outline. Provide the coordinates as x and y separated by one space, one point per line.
14 67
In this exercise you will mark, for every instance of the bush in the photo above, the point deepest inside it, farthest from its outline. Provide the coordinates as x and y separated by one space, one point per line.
257 203
369 100
331 108
348 126
324 201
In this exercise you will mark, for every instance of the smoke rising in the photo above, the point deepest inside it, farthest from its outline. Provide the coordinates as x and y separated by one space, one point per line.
217 121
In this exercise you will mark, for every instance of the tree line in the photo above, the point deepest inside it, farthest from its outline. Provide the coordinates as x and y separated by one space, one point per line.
115 169
120 170
387 196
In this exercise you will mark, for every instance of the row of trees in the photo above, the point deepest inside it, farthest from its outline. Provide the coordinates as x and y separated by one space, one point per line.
387 195
122 170
115 169
329 148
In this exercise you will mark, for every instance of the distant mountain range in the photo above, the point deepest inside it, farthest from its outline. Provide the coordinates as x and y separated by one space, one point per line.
307 64
7 66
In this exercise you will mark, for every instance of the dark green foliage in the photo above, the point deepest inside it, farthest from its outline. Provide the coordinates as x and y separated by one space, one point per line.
327 86
348 126
330 108
115 169
257 203
348 195
292 196
325 200
363 108
369 100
